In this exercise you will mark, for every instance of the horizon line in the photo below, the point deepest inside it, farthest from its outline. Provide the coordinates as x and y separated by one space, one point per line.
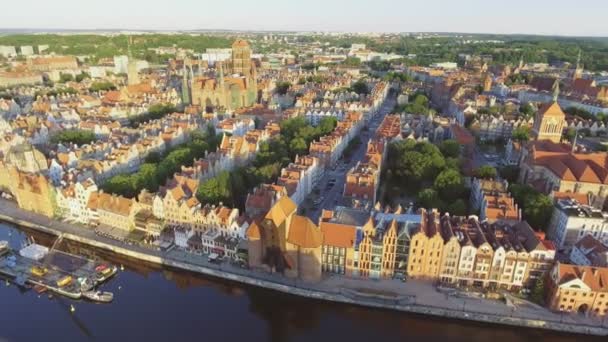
5 30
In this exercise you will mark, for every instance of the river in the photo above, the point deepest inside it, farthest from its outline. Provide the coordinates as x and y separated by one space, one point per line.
156 304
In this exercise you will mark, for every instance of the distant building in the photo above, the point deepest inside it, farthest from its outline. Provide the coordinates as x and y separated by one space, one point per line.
9 79
121 64
7 51
26 50
46 64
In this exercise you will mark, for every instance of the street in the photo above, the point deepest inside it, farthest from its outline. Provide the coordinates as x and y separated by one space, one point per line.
330 196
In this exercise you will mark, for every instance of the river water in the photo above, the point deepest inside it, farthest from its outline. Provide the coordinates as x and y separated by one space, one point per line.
156 304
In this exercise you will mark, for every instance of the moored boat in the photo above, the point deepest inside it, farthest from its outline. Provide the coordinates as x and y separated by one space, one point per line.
3 247
99 296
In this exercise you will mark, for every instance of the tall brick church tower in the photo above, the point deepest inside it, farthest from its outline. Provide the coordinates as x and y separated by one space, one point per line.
241 58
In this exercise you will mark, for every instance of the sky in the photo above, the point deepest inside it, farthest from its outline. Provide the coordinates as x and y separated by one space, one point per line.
547 17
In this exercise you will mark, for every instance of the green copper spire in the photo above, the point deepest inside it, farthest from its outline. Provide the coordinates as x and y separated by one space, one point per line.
185 87
555 90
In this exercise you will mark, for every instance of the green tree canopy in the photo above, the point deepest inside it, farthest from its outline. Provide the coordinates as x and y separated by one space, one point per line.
282 88
521 133
450 148
102 86
449 184
486 171
536 207
360 87
74 136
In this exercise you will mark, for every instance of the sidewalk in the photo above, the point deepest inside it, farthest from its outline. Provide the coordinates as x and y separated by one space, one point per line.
411 296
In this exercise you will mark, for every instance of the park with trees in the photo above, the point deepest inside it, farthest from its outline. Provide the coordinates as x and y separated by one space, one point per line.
73 136
157 168
421 171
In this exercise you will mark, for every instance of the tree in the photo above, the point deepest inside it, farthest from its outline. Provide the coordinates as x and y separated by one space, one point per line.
102 86
527 110
458 207
450 148
420 105
360 87
486 171
83 75
510 173
536 207
521 133
63 78
570 134
352 62
282 88
429 198
538 291
298 146
74 136
449 185
215 190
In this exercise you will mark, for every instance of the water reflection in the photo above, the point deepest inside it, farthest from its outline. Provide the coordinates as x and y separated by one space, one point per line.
156 303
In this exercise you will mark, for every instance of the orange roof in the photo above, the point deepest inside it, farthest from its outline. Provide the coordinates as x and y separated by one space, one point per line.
594 277
254 232
281 210
551 109
338 235
304 233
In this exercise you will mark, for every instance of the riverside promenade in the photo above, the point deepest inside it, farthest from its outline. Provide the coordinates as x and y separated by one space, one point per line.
412 296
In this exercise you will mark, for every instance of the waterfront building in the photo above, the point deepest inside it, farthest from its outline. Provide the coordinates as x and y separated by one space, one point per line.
426 247
32 191
113 211
338 251
72 201
502 254
582 289
288 243
262 198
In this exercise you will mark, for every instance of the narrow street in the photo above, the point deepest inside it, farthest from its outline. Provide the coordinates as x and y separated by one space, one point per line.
331 196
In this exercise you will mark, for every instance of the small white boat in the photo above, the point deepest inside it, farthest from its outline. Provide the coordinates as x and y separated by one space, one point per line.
99 296
3 247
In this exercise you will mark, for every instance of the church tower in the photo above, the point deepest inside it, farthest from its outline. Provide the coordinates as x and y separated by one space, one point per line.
132 74
550 120
185 87
487 82
241 58
578 72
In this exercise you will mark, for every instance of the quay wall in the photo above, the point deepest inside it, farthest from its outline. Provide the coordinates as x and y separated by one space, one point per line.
346 298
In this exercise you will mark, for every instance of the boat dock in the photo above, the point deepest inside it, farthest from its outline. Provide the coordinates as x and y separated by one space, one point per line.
62 273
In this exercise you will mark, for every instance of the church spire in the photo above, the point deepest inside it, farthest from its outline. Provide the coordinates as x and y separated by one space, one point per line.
185 87
555 90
